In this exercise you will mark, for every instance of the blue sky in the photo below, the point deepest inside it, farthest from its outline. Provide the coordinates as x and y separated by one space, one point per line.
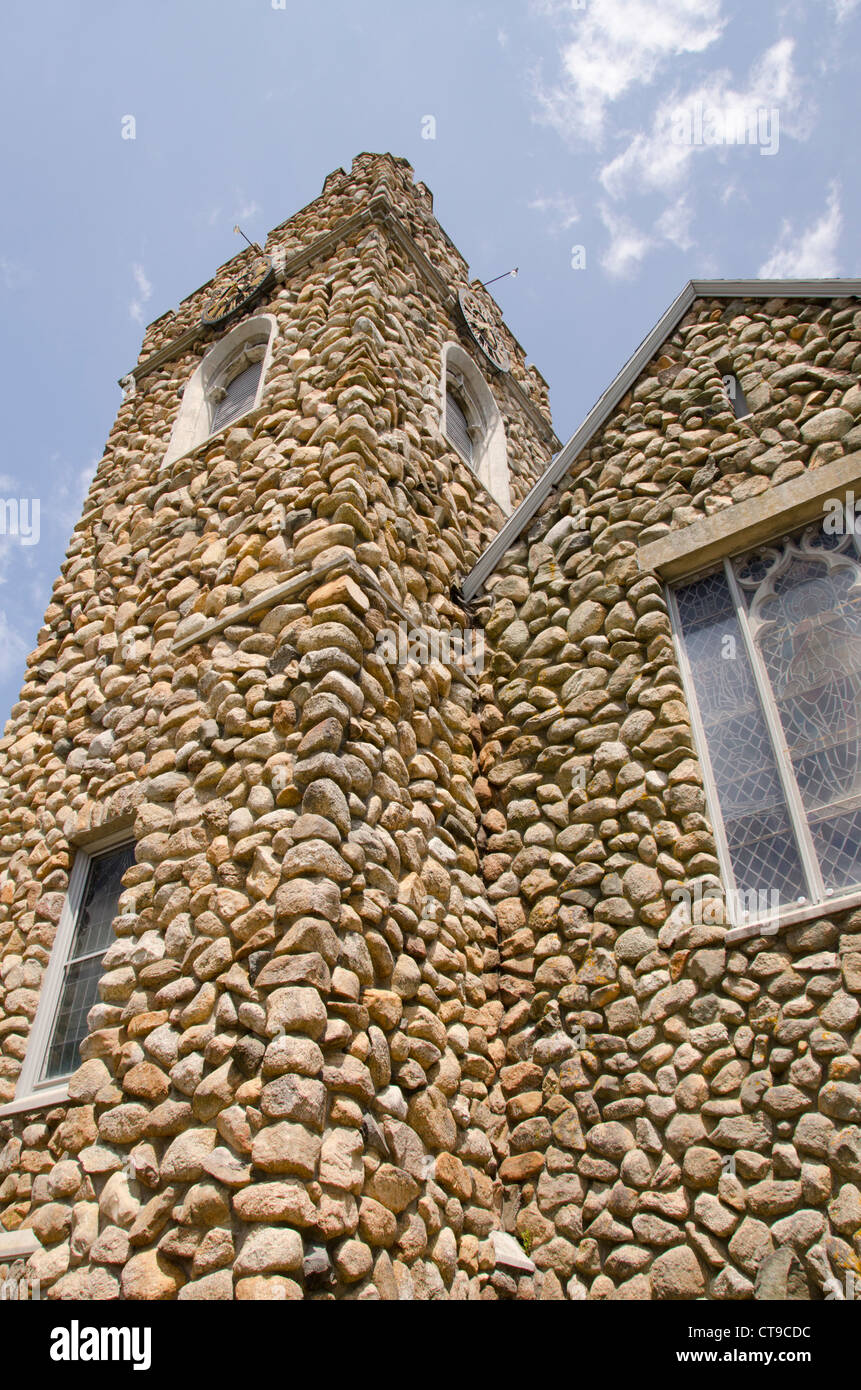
559 125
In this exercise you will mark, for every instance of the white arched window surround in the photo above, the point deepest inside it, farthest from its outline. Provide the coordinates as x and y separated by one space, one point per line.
251 341
461 376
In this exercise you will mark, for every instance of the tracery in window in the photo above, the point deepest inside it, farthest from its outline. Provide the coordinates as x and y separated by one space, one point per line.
772 649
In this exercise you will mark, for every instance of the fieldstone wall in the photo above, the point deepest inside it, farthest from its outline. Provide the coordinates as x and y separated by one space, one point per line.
286 1086
397 971
642 1052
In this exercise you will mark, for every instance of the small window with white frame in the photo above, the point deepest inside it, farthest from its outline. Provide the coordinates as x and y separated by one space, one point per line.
236 392
770 648
71 981
227 384
472 423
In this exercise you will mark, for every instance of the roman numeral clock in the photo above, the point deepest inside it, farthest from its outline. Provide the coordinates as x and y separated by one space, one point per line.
238 294
483 329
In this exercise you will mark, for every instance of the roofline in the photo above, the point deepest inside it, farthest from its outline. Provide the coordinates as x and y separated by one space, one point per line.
377 210
695 289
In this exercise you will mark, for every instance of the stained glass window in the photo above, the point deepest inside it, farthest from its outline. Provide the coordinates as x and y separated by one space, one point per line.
93 936
772 653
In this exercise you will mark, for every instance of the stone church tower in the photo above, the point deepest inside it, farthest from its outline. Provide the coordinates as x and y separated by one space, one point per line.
290 1031
444 856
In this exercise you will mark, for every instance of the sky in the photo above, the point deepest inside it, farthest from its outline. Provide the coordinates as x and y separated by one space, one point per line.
610 149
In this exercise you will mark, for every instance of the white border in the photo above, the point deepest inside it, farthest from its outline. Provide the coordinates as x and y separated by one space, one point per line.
490 456
600 413
796 913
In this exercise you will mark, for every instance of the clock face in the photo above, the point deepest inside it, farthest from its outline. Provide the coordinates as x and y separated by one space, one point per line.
484 330
238 293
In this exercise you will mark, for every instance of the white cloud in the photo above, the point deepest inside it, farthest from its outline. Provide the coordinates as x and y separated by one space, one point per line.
69 493
248 210
13 650
617 45
659 160
628 247
561 211
811 253
674 224
144 293
843 9
12 274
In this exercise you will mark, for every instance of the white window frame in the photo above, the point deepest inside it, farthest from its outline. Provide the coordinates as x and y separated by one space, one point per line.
825 900
487 429
30 1092
193 423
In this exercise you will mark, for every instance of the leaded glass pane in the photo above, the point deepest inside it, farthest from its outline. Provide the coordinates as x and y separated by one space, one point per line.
99 906
80 992
760 839
93 935
805 617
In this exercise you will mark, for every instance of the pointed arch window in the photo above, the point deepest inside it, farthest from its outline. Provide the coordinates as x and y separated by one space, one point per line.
472 422
771 653
228 384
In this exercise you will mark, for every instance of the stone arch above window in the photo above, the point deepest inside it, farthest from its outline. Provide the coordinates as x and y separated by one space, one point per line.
227 384
471 421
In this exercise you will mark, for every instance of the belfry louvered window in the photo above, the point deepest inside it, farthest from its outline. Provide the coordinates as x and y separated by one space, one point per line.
238 396
457 426
771 653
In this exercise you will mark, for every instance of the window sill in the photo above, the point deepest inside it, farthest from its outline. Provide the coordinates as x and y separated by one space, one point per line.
18 1245
507 511
247 418
794 918
38 1100
692 549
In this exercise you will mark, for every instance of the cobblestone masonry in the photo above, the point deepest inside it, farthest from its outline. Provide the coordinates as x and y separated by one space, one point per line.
594 815
337 1048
